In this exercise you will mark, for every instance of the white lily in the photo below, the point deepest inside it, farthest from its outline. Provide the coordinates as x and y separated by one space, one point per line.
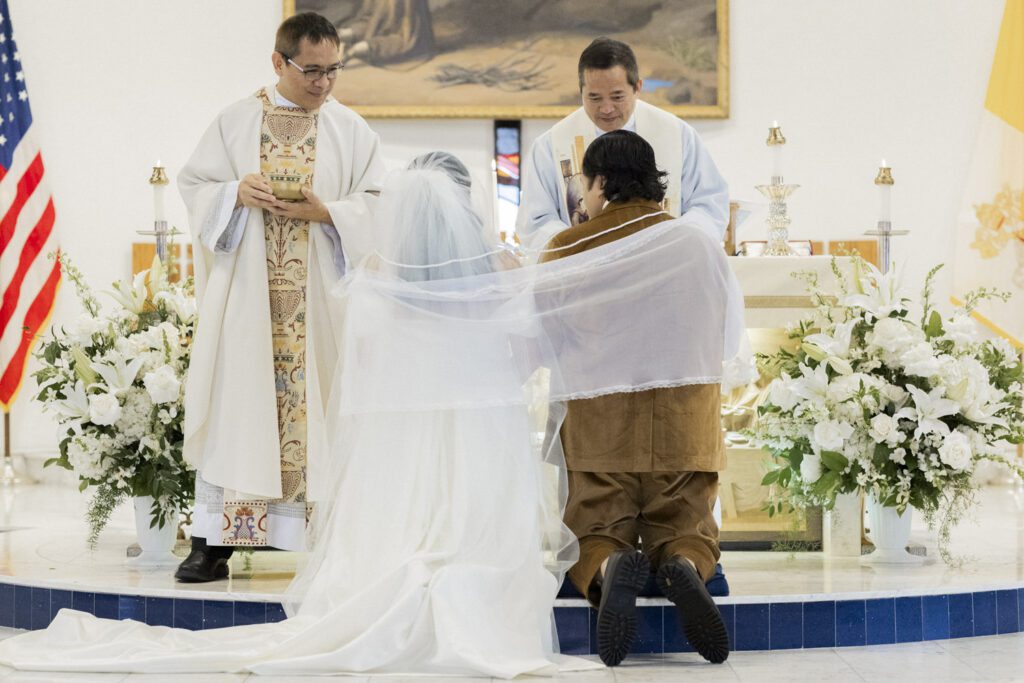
76 403
158 275
834 348
986 414
882 292
926 411
132 297
813 386
119 375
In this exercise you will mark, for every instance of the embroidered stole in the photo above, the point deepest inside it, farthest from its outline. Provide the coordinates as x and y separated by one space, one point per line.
287 155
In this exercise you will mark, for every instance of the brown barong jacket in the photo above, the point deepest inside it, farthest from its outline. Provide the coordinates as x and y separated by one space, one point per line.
659 430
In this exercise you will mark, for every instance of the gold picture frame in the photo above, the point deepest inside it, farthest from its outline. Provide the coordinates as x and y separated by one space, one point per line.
474 105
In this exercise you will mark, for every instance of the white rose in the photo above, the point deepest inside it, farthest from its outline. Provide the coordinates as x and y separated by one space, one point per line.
104 409
972 385
883 428
829 435
80 332
781 394
955 452
896 395
810 468
154 337
162 384
961 330
891 335
920 360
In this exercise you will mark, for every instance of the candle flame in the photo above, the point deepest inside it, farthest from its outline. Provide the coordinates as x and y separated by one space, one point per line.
883 163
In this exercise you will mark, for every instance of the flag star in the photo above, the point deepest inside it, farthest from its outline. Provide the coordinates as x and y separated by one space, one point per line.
17 56
9 98
12 116
7 78
20 76
22 95
3 58
3 39
3 141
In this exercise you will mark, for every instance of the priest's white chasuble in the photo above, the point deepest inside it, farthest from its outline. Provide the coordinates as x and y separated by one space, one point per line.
265 350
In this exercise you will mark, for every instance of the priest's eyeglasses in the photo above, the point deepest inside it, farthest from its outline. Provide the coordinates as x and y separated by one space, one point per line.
313 75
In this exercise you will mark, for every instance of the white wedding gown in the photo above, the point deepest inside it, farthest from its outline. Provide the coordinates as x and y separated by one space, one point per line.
442 547
441 553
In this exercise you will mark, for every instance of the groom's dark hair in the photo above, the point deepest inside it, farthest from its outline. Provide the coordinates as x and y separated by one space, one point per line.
309 25
626 162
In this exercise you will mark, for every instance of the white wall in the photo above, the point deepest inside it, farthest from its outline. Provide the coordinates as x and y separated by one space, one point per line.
117 84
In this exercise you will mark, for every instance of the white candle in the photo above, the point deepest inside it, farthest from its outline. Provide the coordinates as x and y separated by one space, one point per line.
884 200
158 199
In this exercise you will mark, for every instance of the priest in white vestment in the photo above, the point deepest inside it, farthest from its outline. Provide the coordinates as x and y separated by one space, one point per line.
610 85
265 188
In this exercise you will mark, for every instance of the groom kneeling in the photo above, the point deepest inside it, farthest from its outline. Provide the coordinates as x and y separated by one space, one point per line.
642 466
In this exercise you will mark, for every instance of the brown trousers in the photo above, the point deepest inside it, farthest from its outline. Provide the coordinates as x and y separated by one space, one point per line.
671 513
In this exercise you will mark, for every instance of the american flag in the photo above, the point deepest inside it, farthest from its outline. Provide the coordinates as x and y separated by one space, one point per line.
28 279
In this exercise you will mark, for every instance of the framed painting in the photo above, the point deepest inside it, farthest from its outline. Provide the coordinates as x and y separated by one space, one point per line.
510 60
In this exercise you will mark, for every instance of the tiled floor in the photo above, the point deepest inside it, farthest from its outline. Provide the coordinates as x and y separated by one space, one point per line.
996 658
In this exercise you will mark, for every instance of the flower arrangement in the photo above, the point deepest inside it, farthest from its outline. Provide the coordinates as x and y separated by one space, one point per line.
884 397
114 383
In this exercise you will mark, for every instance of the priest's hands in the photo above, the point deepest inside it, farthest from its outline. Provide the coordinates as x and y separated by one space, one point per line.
310 210
255 192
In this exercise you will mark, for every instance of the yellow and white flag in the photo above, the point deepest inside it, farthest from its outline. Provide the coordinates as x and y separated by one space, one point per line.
990 229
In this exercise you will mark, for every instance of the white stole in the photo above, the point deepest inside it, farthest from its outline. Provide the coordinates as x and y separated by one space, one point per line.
571 136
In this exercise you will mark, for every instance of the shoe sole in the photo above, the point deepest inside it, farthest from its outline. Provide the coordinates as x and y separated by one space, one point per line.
617 620
221 572
702 622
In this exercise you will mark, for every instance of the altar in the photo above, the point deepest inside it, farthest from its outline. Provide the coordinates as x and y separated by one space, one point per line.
774 297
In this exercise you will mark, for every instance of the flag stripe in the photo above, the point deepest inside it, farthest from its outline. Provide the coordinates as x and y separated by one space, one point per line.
26 186
34 280
36 318
33 245
31 214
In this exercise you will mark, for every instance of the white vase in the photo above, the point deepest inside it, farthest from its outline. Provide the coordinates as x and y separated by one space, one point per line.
890 532
156 543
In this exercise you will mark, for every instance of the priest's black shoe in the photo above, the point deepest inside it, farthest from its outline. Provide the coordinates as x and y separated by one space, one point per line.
698 613
624 577
201 566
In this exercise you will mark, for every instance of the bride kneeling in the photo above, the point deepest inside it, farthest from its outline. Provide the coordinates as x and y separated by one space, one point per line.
441 547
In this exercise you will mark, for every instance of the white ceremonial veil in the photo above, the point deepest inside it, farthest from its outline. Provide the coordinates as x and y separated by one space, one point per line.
442 547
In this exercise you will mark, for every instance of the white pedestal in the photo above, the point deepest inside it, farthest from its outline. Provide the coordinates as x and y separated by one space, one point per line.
841 527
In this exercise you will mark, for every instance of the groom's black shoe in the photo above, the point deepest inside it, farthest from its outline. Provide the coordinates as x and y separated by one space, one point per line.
205 563
624 577
702 622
